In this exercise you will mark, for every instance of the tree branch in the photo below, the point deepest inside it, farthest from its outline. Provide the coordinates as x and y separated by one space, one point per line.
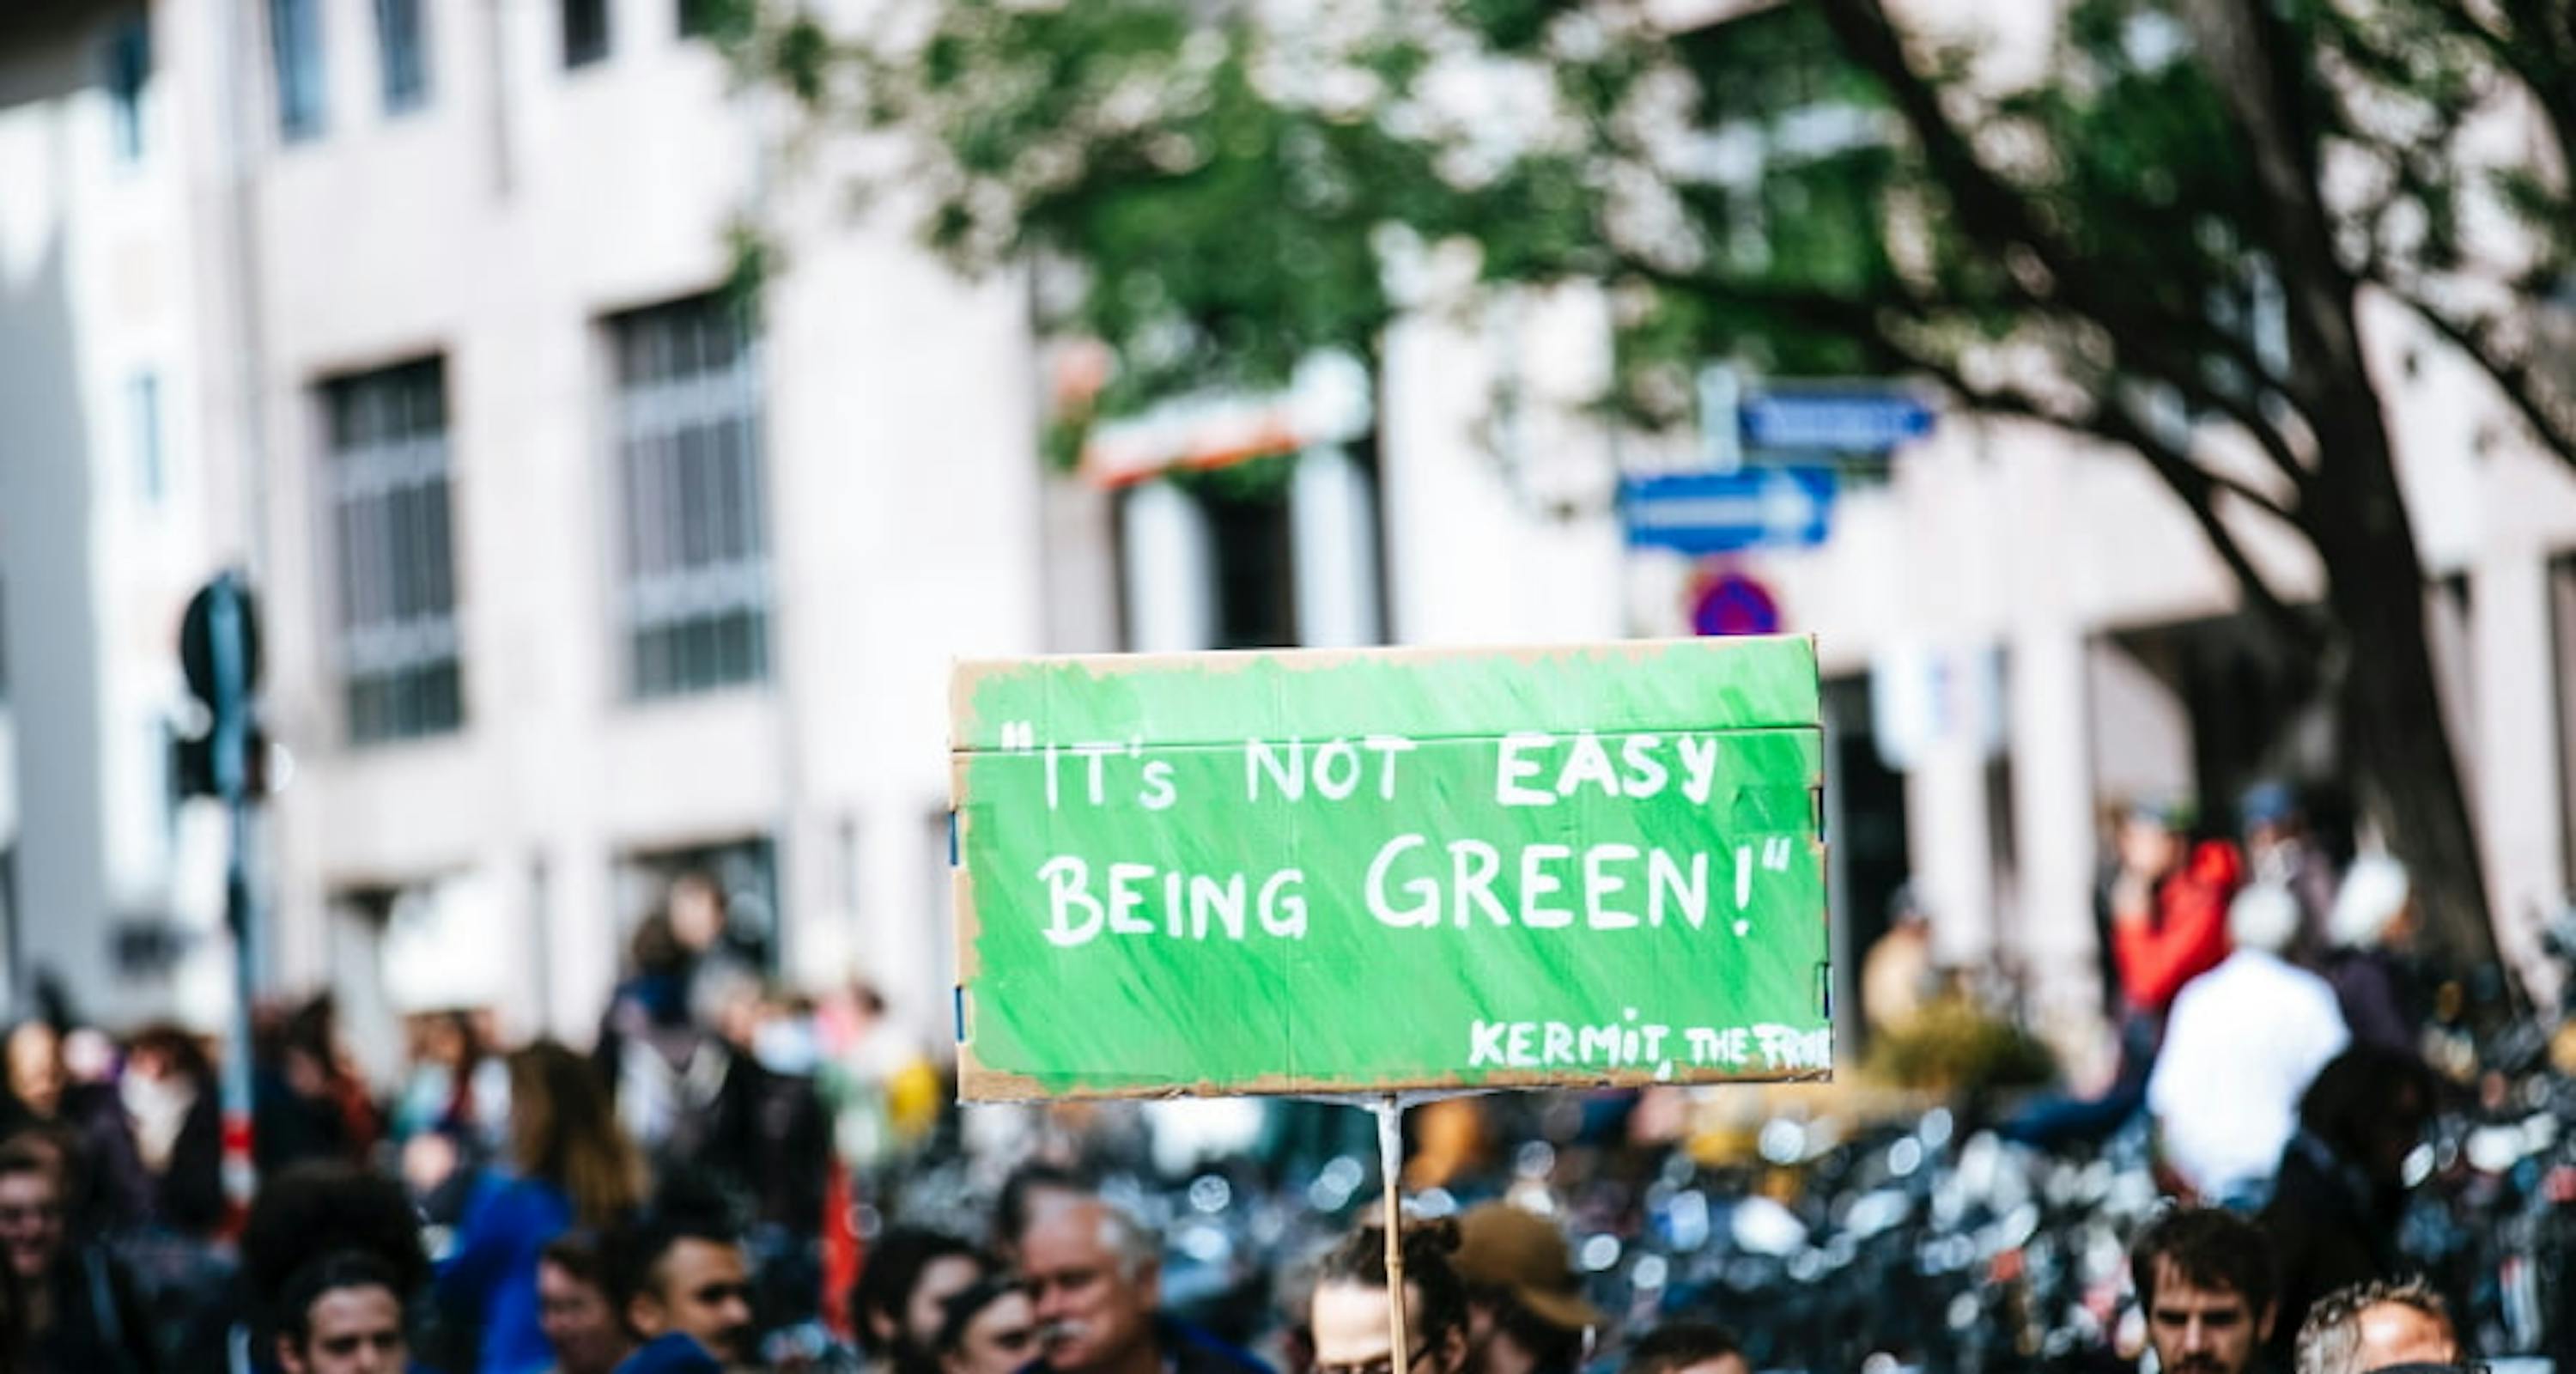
2193 484
2000 213
2541 54
2196 487
2243 46
1864 322
2253 496
1991 208
2245 412
2550 414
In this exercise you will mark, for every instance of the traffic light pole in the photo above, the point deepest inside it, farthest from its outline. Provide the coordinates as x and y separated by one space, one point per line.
228 621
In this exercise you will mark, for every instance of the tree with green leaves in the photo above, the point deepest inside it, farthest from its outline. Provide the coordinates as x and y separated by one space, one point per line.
2159 232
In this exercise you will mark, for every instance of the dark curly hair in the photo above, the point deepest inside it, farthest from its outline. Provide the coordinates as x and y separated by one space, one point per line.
2362 1093
1679 1345
2207 1248
1430 1270
690 1207
329 1274
322 1208
894 1268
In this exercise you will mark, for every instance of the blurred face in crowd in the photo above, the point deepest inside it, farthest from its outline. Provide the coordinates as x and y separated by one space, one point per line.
2401 1333
2403 928
89 1056
443 1041
702 1288
36 1067
350 1331
1094 1307
1350 1330
1496 1349
999 1340
738 1013
31 1220
927 1307
2148 847
577 1321
697 913
2199 1330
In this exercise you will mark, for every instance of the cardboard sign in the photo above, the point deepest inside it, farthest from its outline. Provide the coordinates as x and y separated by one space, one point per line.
1346 872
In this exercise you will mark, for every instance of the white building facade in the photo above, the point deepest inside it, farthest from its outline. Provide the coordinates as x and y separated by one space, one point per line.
575 578
574 575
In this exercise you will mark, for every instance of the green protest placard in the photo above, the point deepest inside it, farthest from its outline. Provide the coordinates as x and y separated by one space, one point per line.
1343 872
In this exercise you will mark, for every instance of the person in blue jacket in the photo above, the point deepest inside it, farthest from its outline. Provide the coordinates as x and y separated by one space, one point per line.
570 1165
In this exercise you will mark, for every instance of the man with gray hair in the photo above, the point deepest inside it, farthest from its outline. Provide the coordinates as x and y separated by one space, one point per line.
2244 1041
1096 1278
2379 1328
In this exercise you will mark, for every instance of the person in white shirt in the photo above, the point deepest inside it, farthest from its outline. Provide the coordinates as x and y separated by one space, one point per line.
2243 1042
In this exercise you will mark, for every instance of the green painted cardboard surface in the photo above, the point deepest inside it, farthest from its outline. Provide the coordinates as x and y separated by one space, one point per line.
1666 790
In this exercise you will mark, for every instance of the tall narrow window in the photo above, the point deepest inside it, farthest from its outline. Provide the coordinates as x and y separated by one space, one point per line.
2562 626
295 36
1256 591
143 426
404 53
129 69
585 31
395 562
695 600
2450 629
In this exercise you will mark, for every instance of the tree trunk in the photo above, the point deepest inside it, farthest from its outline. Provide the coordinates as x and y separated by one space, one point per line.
2402 761
2351 506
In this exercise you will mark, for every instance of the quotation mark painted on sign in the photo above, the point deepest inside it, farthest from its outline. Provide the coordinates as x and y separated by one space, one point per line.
1021 737
1776 852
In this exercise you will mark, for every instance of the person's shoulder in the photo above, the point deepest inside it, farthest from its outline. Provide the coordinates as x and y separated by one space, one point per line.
2301 991
2300 1192
675 1353
1194 1350
2218 992
93 1108
2320 992
502 1195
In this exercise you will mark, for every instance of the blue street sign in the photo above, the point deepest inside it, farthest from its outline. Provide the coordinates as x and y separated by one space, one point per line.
1835 421
1716 512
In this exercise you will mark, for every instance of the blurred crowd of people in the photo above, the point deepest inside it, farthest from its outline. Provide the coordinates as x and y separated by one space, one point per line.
707 1186
487 1191
2273 1027
2276 1034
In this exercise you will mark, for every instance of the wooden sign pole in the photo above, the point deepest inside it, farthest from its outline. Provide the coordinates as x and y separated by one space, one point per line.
1390 1164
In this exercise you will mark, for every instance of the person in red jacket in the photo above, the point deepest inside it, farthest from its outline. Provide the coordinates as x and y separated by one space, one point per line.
2169 909
2161 915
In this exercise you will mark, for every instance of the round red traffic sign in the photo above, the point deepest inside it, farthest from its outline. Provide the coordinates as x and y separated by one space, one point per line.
1730 602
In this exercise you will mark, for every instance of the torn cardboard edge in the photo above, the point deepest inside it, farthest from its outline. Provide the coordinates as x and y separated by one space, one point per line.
967 676
977 1084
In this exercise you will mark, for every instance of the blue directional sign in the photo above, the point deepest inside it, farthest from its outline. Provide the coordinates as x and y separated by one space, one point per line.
1717 512
1835 421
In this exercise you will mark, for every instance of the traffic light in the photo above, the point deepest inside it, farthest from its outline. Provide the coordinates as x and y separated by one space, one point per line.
219 654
